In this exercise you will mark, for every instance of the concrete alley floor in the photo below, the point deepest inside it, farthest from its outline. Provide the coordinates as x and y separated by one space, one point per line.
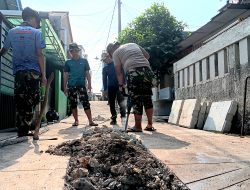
202 160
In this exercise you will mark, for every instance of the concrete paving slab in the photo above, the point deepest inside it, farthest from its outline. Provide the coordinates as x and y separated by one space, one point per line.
189 113
197 171
175 112
244 185
36 172
12 140
11 137
195 154
201 116
209 104
7 135
220 116
201 121
30 167
219 181
191 154
26 165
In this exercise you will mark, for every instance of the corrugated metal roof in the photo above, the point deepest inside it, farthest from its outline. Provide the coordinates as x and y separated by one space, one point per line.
229 14
10 4
54 50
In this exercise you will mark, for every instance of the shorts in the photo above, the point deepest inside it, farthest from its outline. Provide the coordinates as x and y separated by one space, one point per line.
78 92
139 83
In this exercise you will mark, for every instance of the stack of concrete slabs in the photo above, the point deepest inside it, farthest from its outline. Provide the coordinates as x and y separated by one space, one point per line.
175 112
220 116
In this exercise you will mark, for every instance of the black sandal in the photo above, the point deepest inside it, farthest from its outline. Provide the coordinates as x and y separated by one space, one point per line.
75 124
93 124
134 129
149 129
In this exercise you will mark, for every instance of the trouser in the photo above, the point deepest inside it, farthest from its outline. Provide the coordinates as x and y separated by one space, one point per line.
27 97
113 95
139 82
80 92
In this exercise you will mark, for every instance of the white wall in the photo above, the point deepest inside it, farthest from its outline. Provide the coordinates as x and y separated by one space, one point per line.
232 47
244 51
235 34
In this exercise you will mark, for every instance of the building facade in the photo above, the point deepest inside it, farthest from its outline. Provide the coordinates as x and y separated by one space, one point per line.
55 54
215 64
10 5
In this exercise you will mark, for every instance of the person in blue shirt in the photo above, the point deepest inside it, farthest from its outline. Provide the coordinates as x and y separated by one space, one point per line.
111 88
76 71
27 43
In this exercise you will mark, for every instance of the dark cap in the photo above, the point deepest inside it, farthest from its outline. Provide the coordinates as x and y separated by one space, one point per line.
74 46
30 13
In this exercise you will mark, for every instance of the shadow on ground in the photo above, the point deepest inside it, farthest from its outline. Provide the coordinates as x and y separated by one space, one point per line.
156 140
73 132
8 155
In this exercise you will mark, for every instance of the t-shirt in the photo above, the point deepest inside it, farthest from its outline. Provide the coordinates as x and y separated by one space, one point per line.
130 55
77 71
24 41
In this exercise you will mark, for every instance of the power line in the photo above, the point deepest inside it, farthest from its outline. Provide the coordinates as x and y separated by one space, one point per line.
108 33
111 23
101 27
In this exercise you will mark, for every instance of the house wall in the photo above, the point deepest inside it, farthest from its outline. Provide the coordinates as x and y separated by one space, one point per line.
61 24
7 104
219 69
10 5
60 98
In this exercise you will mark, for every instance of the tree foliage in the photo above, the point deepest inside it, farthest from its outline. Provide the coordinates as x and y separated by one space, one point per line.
158 32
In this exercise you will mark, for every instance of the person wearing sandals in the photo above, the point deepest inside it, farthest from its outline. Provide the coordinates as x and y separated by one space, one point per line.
111 88
139 76
26 42
76 71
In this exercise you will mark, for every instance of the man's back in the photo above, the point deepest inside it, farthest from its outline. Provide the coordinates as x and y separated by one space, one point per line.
24 41
130 55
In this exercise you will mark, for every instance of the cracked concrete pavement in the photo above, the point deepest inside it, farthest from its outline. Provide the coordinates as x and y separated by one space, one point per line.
201 159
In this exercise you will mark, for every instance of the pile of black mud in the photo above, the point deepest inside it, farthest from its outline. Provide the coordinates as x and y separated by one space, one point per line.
108 159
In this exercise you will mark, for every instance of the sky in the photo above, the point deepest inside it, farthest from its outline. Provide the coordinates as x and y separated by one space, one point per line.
93 27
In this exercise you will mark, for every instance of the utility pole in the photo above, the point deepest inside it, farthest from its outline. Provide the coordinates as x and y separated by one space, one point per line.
119 16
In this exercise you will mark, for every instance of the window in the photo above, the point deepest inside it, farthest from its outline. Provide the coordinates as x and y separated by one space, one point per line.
216 66
225 61
183 78
178 79
200 70
194 75
188 76
237 55
208 68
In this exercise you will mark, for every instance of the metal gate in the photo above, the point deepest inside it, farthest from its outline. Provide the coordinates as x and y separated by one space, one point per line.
7 105
7 112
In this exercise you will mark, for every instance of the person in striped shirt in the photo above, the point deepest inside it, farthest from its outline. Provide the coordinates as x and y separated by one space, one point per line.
139 76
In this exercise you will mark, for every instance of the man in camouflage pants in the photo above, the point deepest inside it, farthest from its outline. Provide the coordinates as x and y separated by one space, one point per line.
27 43
134 60
27 96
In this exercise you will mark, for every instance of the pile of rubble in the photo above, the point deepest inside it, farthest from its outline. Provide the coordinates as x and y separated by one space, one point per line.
108 159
